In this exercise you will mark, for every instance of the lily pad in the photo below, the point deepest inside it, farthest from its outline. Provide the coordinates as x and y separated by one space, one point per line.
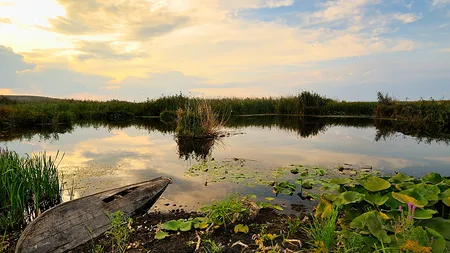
439 243
400 177
324 208
439 224
376 199
432 177
423 214
348 197
375 184
340 180
186 226
445 196
410 196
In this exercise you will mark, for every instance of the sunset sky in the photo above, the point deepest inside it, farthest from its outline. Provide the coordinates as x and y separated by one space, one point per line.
134 49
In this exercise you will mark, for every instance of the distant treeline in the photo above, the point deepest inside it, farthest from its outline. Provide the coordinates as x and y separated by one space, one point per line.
16 113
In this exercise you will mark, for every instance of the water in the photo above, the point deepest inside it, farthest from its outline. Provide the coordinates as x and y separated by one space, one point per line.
102 156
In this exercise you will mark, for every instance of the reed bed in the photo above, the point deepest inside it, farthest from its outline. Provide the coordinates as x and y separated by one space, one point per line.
29 185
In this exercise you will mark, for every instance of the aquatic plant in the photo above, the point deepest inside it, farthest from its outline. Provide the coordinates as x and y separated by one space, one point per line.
198 120
391 210
28 185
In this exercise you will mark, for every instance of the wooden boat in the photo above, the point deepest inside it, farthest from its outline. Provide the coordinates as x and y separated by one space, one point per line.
75 222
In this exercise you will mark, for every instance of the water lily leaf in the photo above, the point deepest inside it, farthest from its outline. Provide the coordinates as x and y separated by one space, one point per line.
340 180
423 214
360 221
445 196
329 196
269 198
186 226
400 177
376 227
439 224
307 185
295 171
410 196
432 177
439 243
172 225
348 197
323 208
392 203
161 235
241 228
384 216
285 187
375 184
279 208
430 192
376 199
252 196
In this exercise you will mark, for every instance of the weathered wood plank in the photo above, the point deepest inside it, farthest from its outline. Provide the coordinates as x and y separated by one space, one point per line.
73 223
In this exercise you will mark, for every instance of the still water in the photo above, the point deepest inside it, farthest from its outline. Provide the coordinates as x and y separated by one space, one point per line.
102 156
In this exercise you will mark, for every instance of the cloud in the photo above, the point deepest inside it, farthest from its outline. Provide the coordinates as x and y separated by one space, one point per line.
105 50
255 4
11 63
440 3
128 19
443 50
5 21
408 17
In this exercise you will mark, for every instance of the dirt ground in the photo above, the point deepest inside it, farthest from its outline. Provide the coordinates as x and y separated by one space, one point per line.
142 237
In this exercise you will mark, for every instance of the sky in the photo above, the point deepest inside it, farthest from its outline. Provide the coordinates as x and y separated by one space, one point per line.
138 49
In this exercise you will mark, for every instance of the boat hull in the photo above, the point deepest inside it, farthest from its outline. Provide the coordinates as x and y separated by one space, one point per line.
73 223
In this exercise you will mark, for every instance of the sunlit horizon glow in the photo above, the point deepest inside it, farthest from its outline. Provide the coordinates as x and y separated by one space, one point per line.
145 48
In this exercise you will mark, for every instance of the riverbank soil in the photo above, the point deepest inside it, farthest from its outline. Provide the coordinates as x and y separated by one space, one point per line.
142 235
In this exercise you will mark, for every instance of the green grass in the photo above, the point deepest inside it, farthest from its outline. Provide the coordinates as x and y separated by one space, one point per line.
225 212
120 230
322 231
28 185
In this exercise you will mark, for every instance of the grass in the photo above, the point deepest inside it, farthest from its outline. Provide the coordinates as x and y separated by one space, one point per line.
28 185
198 120
119 231
228 211
211 247
322 231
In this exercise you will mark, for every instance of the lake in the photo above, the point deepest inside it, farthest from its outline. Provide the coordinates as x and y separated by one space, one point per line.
100 156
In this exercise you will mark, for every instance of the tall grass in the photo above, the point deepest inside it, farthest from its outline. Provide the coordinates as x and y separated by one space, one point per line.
198 120
28 185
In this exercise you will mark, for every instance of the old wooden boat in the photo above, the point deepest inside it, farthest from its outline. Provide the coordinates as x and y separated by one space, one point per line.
75 222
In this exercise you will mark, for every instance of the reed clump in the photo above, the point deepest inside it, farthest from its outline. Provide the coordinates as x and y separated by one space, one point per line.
28 186
198 120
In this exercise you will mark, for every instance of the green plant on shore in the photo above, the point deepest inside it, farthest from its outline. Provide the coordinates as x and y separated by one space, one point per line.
197 119
28 185
322 231
212 247
228 211
120 230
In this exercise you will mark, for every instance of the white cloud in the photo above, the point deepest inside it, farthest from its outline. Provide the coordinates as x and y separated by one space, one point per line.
444 50
408 17
440 3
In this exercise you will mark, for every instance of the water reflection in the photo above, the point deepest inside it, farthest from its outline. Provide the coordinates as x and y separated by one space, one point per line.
102 155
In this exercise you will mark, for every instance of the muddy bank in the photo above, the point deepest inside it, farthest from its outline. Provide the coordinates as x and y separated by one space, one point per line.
142 235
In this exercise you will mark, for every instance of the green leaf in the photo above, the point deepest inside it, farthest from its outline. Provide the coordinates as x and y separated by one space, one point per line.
410 196
423 214
392 203
439 224
360 221
400 177
295 171
432 177
340 180
348 197
269 198
172 225
203 225
445 196
375 184
439 243
285 187
279 208
241 228
323 208
430 192
376 199
161 235
376 227
186 226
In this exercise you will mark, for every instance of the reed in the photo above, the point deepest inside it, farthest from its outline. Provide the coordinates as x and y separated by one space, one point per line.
28 185
198 120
